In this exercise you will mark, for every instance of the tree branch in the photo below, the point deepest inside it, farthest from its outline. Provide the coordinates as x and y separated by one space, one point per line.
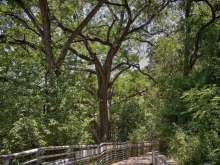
96 39
114 4
126 98
30 15
119 65
110 29
137 66
118 74
128 9
23 22
151 18
76 32
201 32
19 42
84 57
46 37
98 65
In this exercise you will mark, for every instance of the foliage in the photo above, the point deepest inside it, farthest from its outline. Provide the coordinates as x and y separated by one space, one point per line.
156 70
25 133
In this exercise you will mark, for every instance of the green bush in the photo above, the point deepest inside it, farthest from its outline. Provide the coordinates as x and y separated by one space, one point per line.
25 133
200 142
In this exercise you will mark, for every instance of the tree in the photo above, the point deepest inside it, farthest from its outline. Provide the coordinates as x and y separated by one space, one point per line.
117 27
36 27
112 30
192 38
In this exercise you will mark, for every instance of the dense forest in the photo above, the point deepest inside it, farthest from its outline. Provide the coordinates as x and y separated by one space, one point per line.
92 71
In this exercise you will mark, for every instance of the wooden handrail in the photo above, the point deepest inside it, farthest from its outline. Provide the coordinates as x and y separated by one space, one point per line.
105 153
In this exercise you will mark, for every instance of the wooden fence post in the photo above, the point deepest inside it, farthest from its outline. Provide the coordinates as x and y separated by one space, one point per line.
127 150
38 156
99 153
154 157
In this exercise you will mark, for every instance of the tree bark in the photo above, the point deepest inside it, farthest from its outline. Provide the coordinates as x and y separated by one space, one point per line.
104 117
187 53
50 76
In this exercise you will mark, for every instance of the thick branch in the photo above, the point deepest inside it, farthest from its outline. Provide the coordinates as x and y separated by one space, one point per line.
76 32
98 65
116 46
46 38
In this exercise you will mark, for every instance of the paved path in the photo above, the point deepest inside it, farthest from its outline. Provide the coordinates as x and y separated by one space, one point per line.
145 160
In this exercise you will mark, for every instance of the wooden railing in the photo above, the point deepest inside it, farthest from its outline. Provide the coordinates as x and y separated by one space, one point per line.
158 159
103 154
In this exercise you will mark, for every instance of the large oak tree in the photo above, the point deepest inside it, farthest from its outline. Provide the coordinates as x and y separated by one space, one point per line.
105 34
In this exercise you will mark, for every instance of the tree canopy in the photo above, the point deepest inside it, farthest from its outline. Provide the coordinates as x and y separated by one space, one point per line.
91 71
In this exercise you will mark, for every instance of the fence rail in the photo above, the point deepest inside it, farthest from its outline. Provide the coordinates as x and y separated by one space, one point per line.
103 154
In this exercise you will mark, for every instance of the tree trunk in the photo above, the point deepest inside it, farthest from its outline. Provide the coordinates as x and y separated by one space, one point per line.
104 111
187 45
50 91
